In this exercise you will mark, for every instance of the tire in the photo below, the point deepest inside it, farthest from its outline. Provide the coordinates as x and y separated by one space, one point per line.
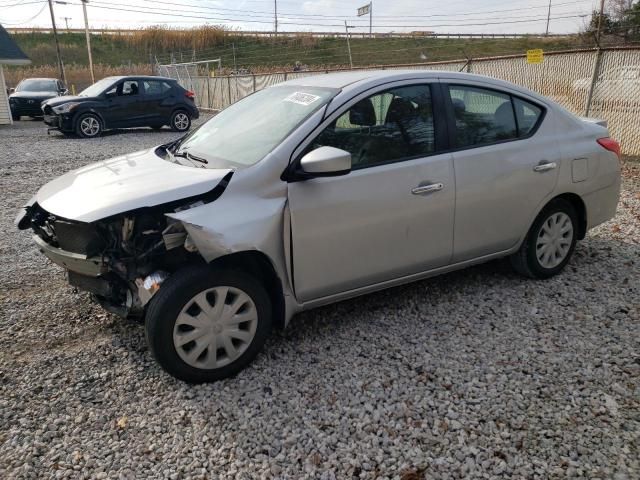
88 125
181 343
558 222
180 121
15 118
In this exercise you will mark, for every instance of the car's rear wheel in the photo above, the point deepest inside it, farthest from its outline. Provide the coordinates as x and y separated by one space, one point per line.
15 118
89 125
180 121
205 324
550 242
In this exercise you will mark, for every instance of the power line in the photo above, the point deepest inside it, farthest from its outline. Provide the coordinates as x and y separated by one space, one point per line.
173 14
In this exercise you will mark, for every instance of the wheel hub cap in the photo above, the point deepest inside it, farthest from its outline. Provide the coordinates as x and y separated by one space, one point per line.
181 121
554 240
215 327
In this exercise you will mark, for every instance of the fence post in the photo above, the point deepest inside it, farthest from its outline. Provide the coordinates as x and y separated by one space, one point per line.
254 82
208 90
594 79
469 61
285 76
229 87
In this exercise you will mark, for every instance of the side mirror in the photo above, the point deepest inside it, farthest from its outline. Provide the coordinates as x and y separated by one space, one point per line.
326 162
12 90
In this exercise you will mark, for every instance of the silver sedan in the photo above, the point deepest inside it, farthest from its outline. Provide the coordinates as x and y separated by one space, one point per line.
321 189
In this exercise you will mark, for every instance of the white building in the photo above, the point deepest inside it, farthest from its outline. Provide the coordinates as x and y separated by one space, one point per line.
10 54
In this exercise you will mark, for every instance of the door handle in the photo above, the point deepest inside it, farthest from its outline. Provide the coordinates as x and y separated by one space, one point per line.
545 166
422 189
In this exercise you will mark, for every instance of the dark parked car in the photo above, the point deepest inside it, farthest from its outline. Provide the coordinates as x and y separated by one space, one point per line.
27 97
123 102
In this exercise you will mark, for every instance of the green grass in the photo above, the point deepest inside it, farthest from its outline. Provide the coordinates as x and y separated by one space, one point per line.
116 50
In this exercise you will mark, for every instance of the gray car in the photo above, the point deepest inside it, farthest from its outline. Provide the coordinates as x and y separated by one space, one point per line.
321 189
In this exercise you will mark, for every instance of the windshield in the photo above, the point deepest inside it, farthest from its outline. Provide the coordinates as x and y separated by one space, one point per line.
37 86
244 133
98 87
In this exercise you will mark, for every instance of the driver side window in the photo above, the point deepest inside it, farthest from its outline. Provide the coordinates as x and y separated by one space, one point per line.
389 126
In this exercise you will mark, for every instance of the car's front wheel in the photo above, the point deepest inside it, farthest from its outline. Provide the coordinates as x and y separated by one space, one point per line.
180 121
550 242
206 324
88 125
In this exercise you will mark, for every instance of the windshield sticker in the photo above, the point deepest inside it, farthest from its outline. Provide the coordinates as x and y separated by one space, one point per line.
302 98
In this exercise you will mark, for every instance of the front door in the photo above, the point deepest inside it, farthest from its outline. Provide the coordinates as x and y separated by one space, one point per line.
506 164
392 215
123 105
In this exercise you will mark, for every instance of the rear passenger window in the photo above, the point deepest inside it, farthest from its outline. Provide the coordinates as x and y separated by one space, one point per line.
527 115
482 116
155 87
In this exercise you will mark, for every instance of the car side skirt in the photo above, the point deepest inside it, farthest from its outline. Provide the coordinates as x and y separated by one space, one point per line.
406 279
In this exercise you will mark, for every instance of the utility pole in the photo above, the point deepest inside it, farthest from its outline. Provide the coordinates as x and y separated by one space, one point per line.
86 31
370 19
66 22
346 29
55 36
235 65
548 18
275 15
600 22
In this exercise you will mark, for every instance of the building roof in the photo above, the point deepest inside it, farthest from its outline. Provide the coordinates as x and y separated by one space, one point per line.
10 53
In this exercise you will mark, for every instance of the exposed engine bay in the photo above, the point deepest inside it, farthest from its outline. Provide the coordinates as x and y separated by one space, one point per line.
122 260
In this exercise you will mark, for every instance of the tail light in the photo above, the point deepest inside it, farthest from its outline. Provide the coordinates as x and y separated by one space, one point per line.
610 144
189 94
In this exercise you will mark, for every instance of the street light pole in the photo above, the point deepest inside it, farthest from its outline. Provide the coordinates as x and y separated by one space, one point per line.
275 16
86 31
55 36
548 18
346 29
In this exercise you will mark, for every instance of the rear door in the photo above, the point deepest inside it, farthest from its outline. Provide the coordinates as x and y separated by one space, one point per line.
392 215
158 101
506 159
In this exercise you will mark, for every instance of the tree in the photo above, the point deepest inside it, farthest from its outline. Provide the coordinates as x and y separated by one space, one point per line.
621 18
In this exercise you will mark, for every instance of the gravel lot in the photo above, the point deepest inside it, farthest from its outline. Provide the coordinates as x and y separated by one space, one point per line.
475 374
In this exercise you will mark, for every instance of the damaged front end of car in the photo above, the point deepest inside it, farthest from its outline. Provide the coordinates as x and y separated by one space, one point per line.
121 260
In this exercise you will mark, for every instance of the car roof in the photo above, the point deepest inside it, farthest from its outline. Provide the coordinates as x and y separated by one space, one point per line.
39 78
142 77
351 82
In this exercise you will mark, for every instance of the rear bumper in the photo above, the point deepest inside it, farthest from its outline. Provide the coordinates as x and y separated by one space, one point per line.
601 205
75 262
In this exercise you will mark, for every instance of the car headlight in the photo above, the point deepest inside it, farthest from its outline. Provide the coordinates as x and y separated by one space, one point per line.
66 107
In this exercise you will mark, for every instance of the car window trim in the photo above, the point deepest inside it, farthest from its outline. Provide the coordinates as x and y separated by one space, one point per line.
451 119
441 128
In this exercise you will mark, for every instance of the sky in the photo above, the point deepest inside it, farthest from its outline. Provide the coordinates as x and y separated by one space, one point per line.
441 16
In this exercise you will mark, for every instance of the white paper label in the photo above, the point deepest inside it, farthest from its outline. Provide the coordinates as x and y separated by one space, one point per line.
302 98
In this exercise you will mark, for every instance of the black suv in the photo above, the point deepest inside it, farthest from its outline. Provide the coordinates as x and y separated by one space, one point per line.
29 94
122 102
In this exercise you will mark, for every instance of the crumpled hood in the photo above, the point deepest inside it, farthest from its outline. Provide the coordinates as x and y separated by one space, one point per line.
137 180
54 102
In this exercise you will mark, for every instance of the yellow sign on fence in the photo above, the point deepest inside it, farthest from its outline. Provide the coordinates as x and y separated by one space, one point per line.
535 56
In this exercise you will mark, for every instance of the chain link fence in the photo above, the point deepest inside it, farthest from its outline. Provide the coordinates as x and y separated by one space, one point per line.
602 83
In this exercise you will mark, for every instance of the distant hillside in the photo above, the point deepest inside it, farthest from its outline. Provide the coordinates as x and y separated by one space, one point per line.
210 42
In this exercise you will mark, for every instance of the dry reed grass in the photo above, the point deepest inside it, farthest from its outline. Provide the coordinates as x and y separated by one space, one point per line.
77 75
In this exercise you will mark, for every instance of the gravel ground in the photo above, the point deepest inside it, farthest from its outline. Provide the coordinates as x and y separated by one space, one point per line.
475 374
